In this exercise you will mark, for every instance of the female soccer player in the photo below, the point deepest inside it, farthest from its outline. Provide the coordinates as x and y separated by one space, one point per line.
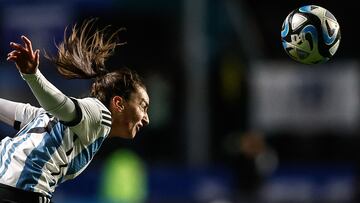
57 142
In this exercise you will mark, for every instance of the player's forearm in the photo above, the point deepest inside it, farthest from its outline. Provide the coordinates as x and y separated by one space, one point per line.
49 97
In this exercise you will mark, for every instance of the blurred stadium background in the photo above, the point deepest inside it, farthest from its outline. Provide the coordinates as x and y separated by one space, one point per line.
232 118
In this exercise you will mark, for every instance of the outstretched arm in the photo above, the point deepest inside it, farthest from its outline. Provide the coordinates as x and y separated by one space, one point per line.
8 111
17 114
48 96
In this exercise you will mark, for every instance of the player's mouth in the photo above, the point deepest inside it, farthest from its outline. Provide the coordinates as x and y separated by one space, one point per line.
138 127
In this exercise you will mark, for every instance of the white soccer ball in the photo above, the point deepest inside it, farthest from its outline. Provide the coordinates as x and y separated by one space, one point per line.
310 34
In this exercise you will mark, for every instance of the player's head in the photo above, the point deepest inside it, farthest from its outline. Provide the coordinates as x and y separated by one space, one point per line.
83 55
124 93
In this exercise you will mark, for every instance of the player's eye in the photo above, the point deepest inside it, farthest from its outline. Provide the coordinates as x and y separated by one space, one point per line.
143 107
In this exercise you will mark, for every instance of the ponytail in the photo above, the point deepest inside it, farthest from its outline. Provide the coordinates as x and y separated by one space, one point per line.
82 55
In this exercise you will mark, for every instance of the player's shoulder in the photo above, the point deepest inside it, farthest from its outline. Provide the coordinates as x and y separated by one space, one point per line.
91 101
94 105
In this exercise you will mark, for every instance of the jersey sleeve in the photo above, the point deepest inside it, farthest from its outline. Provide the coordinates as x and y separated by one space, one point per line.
49 97
93 120
24 113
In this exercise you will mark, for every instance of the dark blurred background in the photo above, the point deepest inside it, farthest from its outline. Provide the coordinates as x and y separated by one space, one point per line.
232 117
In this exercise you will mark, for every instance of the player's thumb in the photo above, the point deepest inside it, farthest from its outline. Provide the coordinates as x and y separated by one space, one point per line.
37 56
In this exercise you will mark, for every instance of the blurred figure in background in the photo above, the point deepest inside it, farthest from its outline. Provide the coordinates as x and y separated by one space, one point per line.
252 160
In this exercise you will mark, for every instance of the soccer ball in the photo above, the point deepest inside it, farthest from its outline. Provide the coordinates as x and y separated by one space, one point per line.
310 34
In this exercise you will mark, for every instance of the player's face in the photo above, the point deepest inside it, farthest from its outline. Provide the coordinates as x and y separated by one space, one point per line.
134 114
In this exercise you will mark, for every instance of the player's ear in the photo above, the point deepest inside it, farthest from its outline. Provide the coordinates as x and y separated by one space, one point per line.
117 103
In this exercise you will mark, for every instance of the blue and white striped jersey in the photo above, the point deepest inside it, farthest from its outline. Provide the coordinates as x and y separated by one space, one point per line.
47 152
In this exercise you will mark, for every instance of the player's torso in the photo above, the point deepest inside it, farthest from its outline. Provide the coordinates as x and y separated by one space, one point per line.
40 156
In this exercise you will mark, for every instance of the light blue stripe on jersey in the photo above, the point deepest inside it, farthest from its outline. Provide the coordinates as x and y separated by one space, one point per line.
10 152
12 149
3 151
84 156
9 140
39 156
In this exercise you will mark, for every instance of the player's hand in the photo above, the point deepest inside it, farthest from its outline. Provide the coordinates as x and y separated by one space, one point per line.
26 60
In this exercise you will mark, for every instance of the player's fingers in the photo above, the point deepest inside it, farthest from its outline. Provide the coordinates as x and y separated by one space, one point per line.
28 45
14 52
12 58
17 47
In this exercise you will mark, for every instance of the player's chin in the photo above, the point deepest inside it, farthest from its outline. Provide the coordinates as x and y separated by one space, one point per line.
133 134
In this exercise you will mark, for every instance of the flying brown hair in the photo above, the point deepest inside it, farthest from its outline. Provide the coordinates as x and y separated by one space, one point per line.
83 55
